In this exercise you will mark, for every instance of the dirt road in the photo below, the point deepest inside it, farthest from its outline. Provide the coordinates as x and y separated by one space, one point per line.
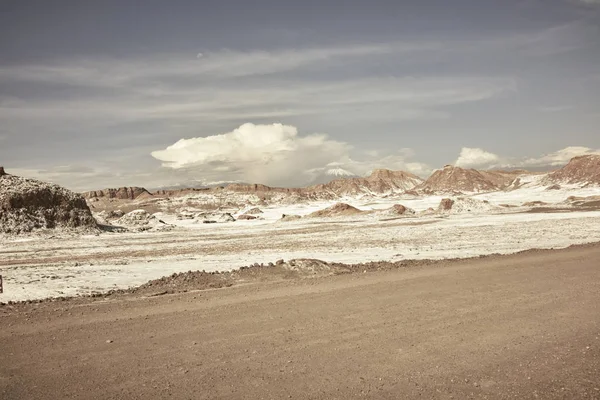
521 326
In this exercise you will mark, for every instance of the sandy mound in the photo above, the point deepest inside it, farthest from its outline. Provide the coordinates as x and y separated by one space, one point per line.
142 220
225 217
308 266
397 210
582 198
200 280
247 217
198 216
290 217
336 210
553 187
536 203
253 213
186 213
209 218
28 204
462 205
585 202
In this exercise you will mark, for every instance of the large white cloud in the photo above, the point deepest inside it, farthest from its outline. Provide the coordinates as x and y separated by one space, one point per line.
272 154
276 154
474 157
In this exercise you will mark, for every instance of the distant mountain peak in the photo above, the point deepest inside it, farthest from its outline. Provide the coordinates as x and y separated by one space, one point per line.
339 172
456 179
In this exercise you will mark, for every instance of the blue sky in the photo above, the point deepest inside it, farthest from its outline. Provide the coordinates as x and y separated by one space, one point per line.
161 93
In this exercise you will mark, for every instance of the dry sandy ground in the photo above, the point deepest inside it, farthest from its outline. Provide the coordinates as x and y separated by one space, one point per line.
520 326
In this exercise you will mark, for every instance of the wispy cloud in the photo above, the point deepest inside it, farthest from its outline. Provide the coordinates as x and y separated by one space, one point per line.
418 98
225 63
558 158
237 86
554 109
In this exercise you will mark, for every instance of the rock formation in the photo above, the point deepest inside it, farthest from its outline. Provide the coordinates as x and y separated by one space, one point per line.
582 170
29 204
446 205
123 193
456 179
381 181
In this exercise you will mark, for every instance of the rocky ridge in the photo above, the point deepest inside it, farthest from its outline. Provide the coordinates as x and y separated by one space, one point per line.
123 193
582 170
456 179
380 181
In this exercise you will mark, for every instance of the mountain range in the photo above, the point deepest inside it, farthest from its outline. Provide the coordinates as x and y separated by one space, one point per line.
581 170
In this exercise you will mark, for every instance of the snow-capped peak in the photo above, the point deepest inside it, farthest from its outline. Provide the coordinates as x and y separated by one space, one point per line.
339 172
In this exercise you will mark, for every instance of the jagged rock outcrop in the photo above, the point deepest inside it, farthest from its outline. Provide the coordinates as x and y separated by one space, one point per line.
123 193
29 204
381 181
446 205
181 192
258 188
582 170
462 205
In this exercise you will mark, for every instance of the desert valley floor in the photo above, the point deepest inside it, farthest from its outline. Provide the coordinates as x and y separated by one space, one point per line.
41 266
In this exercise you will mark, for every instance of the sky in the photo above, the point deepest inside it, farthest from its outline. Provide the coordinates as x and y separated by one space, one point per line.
173 93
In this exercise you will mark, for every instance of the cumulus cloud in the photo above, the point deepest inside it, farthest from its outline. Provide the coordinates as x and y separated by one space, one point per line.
273 154
476 158
277 155
558 158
